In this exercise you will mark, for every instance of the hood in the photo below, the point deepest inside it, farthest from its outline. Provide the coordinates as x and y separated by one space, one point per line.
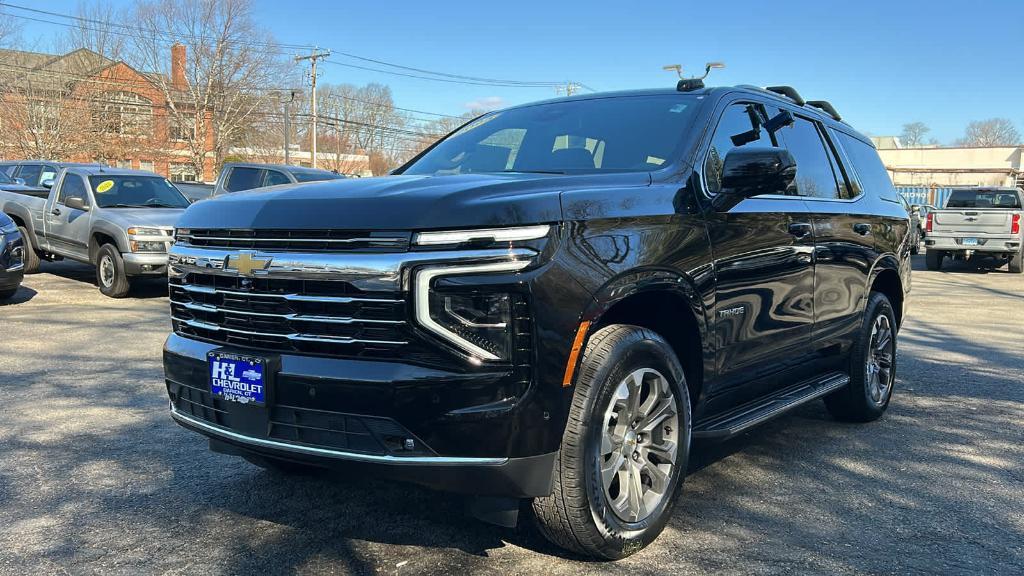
153 217
401 202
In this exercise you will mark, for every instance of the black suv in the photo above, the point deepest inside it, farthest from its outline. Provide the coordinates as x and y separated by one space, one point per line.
550 303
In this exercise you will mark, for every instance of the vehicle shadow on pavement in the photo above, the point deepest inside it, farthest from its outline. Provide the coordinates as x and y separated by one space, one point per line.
141 288
24 294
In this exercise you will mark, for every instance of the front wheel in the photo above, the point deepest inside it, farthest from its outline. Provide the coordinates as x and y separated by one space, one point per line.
29 257
872 366
933 259
110 275
625 448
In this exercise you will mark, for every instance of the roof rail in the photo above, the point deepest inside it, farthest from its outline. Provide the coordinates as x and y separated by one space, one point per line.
788 92
828 108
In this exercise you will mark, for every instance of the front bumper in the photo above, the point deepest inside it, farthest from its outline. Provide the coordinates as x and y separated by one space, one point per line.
995 244
409 422
144 264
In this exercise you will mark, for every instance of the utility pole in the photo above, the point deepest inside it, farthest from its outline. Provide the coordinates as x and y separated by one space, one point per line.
569 89
313 57
288 124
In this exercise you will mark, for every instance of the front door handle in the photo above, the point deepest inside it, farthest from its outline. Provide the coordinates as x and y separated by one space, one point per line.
55 211
800 229
862 228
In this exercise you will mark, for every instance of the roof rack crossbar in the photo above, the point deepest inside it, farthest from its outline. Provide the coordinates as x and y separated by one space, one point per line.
827 107
788 92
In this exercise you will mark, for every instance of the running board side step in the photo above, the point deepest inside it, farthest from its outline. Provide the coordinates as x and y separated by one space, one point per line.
765 408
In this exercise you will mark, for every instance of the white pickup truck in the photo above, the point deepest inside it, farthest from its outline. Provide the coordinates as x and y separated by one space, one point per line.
120 221
983 224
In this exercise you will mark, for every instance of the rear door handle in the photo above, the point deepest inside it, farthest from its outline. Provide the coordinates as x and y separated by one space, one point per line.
55 211
800 229
862 228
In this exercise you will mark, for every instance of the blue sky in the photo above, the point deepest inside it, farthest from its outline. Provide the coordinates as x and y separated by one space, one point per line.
882 64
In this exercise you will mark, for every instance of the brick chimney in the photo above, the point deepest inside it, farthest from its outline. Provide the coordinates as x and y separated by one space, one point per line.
178 66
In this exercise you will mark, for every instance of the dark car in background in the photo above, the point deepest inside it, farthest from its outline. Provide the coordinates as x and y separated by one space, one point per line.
550 303
237 177
12 249
38 175
195 191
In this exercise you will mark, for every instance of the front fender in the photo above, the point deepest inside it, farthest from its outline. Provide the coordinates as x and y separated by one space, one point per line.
119 234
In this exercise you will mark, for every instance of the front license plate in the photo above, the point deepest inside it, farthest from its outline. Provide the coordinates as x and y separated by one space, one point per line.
970 242
236 378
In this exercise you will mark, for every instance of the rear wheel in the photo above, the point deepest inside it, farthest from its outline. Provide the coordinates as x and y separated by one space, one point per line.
30 257
933 259
110 274
872 366
1017 262
625 448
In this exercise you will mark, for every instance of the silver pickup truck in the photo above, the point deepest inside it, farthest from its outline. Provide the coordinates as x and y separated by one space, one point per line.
120 221
981 224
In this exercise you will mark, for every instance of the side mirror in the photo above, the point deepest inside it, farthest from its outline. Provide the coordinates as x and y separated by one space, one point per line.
76 203
915 208
748 172
48 183
18 181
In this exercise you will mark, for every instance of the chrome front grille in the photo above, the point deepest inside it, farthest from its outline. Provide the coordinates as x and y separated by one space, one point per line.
299 240
292 315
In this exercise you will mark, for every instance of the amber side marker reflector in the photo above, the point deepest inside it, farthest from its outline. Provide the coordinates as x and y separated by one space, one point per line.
574 354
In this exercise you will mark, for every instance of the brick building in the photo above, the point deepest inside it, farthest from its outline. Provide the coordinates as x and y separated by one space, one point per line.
81 106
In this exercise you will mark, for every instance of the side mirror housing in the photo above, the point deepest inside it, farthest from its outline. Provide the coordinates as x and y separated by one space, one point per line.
915 208
18 181
748 172
76 203
48 183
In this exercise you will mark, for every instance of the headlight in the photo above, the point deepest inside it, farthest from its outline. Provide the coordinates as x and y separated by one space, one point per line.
477 321
147 239
9 228
491 234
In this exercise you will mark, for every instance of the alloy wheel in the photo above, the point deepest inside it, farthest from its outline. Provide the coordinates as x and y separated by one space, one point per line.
107 271
882 349
639 441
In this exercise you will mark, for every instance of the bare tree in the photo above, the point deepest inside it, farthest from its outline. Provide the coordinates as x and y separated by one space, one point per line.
93 30
363 120
226 65
43 115
913 135
991 132
10 29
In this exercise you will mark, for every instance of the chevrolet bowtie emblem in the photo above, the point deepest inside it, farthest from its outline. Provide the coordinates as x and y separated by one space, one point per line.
246 263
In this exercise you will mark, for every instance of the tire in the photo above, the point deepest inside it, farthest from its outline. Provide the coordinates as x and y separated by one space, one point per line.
872 366
30 256
584 514
112 281
933 259
1017 262
285 467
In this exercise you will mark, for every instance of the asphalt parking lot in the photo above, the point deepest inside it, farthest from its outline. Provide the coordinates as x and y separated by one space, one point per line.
95 478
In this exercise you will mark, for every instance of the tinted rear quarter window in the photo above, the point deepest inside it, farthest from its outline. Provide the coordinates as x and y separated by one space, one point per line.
274 178
242 178
872 174
814 175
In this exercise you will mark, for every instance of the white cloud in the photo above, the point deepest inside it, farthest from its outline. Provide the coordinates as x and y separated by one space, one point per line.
487 103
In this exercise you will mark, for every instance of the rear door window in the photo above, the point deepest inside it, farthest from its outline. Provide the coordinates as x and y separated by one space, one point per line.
275 177
869 168
30 174
243 178
815 176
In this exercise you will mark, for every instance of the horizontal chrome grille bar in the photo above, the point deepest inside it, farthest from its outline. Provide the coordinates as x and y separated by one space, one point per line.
297 337
296 317
288 297
385 241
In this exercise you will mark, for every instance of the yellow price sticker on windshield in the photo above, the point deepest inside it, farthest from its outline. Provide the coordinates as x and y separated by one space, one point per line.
105 186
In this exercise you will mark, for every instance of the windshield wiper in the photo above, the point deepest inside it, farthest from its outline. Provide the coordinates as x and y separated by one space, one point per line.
149 205
531 172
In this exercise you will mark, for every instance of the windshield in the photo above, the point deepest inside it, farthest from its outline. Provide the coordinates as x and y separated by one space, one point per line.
315 176
622 134
983 199
130 191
